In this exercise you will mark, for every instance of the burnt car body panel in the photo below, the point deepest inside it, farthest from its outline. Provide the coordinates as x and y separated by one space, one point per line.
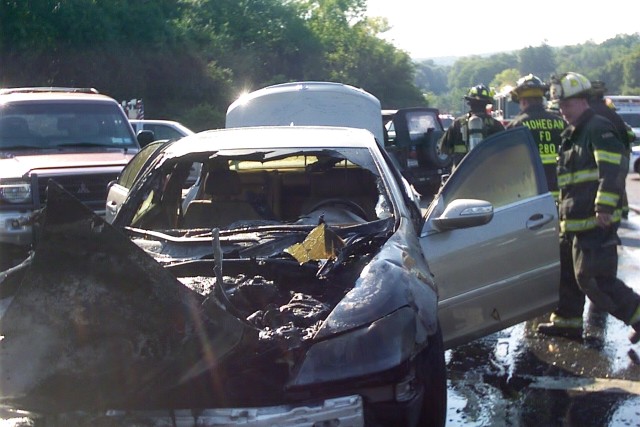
270 317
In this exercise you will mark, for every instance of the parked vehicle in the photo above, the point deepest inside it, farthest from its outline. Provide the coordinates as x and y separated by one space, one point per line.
504 108
633 120
417 151
162 129
75 136
446 120
295 282
628 107
335 104
634 159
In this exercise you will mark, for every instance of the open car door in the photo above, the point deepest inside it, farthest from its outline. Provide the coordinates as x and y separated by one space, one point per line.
491 239
119 189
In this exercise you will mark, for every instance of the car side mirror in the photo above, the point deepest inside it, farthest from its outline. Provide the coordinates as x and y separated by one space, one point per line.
464 213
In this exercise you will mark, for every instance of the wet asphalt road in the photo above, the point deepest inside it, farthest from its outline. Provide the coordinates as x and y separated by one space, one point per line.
519 378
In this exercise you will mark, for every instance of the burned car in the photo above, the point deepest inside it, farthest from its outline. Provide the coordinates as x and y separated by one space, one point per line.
291 284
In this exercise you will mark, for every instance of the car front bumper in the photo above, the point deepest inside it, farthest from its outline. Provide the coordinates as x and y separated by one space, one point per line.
344 411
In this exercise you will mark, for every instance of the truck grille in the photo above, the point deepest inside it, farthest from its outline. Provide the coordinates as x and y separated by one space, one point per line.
89 189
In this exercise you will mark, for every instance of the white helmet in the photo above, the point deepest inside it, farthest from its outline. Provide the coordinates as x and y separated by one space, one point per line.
569 85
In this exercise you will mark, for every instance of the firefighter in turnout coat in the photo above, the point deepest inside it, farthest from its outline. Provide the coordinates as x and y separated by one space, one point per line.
470 129
591 174
544 125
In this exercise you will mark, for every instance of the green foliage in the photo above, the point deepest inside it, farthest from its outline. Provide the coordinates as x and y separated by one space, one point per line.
189 59
615 61
539 61
508 77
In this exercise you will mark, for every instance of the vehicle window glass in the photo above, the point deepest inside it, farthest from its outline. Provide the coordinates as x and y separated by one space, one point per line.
132 169
632 119
162 131
503 173
50 125
419 123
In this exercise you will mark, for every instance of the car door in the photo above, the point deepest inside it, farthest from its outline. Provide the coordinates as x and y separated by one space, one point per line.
119 189
491 239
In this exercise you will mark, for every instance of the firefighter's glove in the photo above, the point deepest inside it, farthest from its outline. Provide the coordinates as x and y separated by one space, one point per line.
603 220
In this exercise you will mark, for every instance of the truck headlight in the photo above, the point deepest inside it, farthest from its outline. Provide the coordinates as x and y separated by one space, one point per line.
15 192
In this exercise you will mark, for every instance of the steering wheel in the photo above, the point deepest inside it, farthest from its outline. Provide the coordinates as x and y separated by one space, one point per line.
350 205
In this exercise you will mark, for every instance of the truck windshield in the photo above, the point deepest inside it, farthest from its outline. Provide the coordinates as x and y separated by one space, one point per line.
51 125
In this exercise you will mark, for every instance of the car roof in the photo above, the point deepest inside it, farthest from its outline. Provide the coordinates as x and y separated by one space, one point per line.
157 121
272 137
54 97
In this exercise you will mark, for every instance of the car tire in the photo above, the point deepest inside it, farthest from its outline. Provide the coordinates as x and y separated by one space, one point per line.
429 154
433 375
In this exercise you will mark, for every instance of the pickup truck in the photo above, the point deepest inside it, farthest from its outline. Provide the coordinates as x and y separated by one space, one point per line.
75 136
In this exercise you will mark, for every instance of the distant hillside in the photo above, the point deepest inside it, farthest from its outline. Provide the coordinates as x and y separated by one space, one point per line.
449 60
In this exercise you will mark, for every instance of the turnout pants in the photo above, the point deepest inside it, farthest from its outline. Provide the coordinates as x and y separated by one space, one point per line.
589 266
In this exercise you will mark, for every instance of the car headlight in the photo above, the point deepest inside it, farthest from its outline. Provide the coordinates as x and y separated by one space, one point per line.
15 192
382 345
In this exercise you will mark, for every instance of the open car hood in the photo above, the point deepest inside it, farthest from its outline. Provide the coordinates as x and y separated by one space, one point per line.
96 321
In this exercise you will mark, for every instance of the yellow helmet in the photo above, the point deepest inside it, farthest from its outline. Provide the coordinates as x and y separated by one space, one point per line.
570 85
528 86
480 93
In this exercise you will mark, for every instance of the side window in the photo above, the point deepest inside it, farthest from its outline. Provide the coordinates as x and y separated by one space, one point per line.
130 172
163 132
502 170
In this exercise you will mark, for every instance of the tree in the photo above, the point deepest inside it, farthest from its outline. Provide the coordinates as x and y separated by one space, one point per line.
431 77
539 61
353 54
508 77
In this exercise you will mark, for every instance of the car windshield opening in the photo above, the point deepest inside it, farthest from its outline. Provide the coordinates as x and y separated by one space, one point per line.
239 189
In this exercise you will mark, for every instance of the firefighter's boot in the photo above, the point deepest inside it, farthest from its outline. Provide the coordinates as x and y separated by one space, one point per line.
635 324
568 327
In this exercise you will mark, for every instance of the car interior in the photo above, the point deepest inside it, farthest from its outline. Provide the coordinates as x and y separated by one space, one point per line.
226 194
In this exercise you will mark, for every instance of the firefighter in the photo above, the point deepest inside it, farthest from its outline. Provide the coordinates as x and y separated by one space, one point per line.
468 130
545 126
599 105
591 174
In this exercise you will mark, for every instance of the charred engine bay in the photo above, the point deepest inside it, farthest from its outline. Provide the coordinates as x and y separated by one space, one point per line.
96 322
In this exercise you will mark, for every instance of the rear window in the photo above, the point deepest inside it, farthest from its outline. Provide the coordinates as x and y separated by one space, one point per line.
58 124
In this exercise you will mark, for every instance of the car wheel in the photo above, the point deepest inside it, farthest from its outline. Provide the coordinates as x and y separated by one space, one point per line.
433 375
429 154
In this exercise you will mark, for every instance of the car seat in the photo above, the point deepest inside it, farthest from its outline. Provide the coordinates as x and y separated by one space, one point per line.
226 202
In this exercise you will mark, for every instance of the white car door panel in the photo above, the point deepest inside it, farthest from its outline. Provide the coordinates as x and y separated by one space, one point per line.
494 275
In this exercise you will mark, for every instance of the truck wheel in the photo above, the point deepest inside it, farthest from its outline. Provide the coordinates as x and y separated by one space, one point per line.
429 154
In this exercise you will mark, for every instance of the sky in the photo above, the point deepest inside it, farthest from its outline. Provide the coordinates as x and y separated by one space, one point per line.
437 28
